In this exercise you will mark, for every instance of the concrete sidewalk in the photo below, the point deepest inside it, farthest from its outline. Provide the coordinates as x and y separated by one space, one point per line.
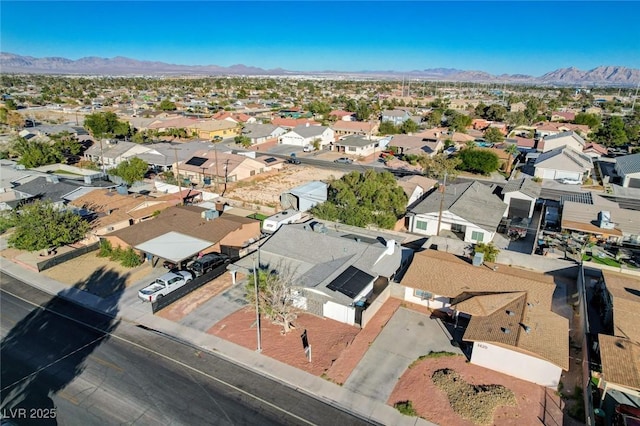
366 407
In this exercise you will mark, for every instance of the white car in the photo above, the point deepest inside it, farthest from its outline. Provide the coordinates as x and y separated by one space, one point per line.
164 285
307 148
569 181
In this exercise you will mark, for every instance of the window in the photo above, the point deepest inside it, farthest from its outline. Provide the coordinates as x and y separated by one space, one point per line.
477 236
424 295
421 225
457 228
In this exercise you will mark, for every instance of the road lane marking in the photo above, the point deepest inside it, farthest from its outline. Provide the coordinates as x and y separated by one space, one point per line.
188 367
106 363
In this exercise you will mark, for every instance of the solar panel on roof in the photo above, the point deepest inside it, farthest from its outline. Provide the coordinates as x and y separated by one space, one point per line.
196 161
351 282
270 160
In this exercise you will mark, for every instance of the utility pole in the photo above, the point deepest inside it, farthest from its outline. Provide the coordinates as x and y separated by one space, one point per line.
633 104
180 200
444 188
215 156
255 282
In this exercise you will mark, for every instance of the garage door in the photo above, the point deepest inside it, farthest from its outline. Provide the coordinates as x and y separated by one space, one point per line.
634 183
548 174
561 174
519 208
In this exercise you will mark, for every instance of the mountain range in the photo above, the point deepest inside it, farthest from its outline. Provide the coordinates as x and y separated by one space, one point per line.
13 63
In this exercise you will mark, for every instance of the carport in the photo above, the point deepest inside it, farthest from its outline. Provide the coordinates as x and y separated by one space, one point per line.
173 246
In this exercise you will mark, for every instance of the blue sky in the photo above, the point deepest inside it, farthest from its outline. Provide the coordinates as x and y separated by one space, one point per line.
497 37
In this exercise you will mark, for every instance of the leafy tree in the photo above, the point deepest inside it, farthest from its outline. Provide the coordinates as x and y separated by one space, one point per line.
493 135
11 104
41 226
363 111
512 150
34 153
131 170
275 295
318 107
612 132
66 143
495 112
15 120
591 120
439 165
364 199
490 251
4 113
531 110
478 161
458 122
167 105
479 110
409 126
106 124
515 119
435 118
388 128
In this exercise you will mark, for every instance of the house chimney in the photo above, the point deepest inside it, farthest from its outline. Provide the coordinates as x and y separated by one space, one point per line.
391 246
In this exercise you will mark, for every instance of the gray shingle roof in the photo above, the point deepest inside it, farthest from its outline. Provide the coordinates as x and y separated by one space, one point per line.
566 157
472 201
309 131
526 186
566 134
629 164
45 190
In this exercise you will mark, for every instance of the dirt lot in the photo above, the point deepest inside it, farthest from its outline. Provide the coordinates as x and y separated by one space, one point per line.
432 403
266 188
97 275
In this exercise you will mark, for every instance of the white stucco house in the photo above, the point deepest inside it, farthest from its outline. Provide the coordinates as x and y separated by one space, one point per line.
260 133
415 187
507 313
356 145
628 168
306 135
469 210
563 162
570 139
521 196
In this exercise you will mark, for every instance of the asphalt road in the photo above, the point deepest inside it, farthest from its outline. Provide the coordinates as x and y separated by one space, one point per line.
63 364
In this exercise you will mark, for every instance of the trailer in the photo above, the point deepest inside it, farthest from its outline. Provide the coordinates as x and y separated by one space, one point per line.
272 223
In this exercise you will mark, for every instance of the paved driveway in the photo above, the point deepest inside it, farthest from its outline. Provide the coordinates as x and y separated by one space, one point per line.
216 309
407 335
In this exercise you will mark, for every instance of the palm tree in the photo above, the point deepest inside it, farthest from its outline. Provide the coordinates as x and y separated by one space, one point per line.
512 150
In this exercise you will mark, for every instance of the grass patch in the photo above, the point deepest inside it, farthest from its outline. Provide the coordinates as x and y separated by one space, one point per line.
603 261
406 408
475 403
258 216
432 354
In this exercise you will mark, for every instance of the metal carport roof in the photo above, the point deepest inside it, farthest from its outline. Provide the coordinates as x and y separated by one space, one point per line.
174 246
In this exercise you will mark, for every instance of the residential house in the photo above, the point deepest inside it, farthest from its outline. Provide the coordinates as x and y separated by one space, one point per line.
563 116
395 116
260 133
180 233
470 211
110 153
628 168
523 144
619 343
307 135
546 128
234 117
356 145
215 128
290 123
45 188
443 134
505 312
517 107
594 150
110 210
223 167
417 145
338 274
563 163
593 110
570 139
348 128
166 124
415 187
521 196
341 115
304 197
601 219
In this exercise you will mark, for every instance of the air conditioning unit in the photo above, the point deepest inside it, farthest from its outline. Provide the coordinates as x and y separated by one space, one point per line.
110 228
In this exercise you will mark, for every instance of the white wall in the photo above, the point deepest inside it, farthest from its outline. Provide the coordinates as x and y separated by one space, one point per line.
340 313
438 302
516 364
518 196
448 218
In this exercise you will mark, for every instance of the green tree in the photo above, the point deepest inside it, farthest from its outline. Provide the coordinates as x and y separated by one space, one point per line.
512 150
437 166
458 122
478 161
363 111
34 153
388 128
435 118
363 199
490 251
531 110
167 105
41 226
106 124
493 135
275 294
245 141
11 104
409 126
591 120
612 132
66 143
131 170
495 112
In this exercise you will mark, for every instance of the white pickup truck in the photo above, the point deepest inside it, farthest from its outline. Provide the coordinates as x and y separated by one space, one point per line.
164 285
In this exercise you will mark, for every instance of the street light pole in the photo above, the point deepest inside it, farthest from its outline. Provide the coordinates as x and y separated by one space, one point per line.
255 282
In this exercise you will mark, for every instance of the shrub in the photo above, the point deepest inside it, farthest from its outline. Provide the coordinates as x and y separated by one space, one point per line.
129 258
405 407
106 249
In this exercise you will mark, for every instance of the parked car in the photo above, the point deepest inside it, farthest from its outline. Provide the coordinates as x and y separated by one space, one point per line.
293 159
208 262
164 285
343 160
568 181
307 148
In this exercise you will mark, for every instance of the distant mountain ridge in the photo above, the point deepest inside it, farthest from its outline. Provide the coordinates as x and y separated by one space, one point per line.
13 63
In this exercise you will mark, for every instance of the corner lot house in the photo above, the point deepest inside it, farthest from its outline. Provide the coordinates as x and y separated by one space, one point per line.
470 211
628 168
507 311
341 275
356 145
306 135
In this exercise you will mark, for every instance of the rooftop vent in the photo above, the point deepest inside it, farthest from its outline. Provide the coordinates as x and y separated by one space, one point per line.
604 220
505 330
510 313
478 259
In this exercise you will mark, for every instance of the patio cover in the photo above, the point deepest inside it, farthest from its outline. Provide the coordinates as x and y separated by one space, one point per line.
174 246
